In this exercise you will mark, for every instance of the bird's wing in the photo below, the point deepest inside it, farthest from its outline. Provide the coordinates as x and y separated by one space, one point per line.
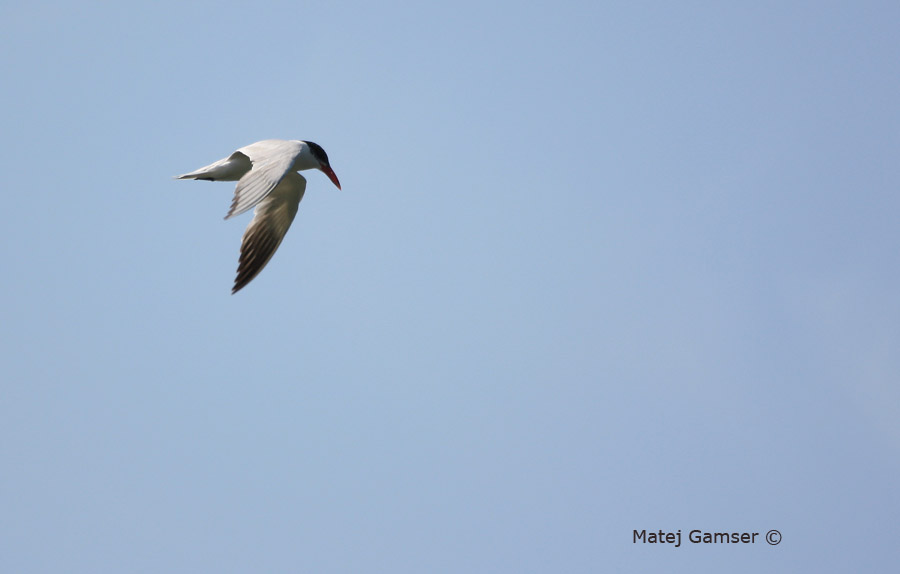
272 160
271 221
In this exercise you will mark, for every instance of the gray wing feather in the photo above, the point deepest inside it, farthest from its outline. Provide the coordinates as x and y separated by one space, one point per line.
270 223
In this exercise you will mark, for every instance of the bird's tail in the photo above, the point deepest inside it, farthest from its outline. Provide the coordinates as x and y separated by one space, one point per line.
229 169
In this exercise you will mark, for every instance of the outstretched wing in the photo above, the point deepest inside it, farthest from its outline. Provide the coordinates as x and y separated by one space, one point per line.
272 160
270 223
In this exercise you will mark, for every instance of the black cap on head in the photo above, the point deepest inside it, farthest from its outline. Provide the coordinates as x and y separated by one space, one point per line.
318 152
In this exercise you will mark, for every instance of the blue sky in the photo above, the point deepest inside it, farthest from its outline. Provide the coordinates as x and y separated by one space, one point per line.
595 267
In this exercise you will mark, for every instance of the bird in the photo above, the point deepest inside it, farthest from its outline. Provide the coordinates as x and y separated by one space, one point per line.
266 172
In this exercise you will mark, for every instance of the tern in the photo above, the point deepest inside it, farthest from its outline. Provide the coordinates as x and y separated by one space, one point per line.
266 172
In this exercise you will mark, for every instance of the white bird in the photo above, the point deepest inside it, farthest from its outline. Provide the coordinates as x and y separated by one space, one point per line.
267 177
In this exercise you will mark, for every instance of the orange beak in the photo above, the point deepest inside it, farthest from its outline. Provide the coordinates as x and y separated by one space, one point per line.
326 169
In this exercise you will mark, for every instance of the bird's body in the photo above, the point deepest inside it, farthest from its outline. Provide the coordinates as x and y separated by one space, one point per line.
267 177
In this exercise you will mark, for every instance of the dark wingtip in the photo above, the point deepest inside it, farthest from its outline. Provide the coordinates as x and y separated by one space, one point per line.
241 280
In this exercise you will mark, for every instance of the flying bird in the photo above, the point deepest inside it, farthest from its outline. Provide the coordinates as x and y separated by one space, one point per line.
267 177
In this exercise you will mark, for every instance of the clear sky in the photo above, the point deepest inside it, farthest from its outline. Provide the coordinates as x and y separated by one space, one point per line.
596 268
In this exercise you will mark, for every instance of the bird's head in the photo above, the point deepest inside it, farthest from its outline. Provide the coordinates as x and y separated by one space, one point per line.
323 166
